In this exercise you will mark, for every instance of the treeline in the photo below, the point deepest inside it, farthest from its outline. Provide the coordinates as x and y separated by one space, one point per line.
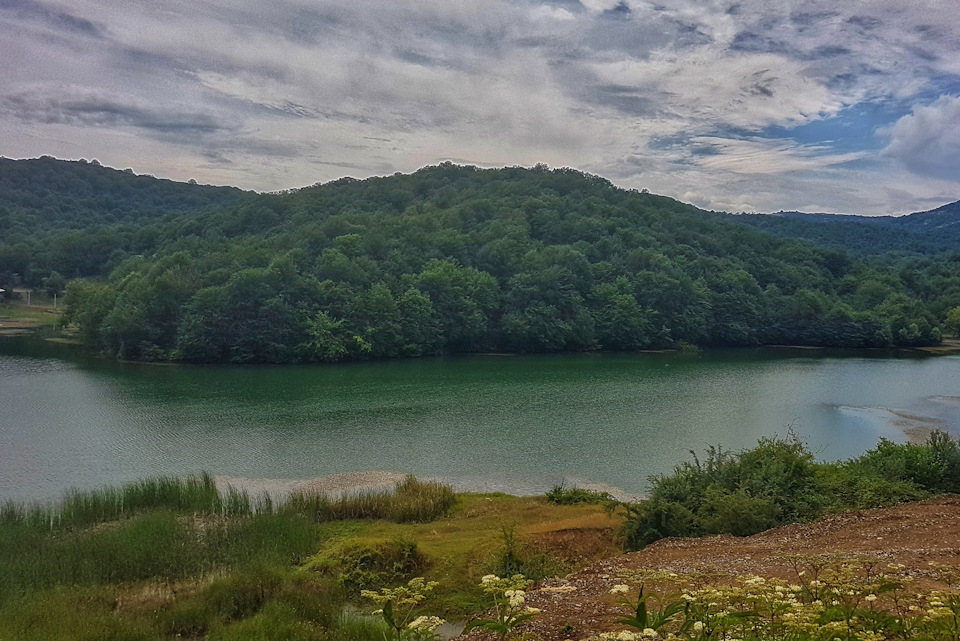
459 259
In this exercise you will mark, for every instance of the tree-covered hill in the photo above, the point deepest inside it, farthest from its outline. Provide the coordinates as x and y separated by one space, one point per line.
929 232
460 259
81 219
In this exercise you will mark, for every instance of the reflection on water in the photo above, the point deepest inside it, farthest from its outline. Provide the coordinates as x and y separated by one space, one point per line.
516 424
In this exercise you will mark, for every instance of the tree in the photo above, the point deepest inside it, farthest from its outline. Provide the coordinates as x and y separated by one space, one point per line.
953 320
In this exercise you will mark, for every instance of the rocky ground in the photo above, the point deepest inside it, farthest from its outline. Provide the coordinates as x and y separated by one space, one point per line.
912 534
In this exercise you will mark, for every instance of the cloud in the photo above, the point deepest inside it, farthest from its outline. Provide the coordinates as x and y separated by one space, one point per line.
92 109
927 141
30 11
736 101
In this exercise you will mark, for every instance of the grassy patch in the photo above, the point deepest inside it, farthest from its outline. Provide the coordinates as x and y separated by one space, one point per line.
168 557
38 316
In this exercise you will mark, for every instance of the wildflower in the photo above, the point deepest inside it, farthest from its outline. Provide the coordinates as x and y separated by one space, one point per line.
489 578
532 610
870 597
620 589
650 633
698 626
425 624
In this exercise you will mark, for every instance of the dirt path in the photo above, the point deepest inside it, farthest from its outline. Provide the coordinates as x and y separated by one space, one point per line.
911 534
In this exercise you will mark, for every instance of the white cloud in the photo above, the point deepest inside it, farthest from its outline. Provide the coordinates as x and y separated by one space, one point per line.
307 90
598 6
927 141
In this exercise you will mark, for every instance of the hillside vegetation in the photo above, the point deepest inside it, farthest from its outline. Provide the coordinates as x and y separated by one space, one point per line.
928 232
458 259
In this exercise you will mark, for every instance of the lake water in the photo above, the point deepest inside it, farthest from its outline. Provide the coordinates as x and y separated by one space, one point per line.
519 424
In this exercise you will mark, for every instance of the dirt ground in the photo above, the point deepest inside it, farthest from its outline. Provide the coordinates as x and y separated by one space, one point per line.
912 534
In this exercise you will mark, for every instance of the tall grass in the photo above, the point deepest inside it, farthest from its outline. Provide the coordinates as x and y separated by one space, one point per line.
411 501
173 528
80 508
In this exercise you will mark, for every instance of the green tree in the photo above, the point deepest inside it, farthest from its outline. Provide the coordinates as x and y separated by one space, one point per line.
953 321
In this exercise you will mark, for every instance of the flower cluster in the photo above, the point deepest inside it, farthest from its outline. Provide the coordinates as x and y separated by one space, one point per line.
509 599
832 597
398 605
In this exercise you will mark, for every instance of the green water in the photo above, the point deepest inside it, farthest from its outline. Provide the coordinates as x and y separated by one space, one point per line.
519 424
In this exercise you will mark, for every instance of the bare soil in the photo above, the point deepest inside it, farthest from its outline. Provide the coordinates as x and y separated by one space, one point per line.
913 534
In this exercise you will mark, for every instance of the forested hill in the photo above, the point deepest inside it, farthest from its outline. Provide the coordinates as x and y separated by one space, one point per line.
459 259
930 232
81 219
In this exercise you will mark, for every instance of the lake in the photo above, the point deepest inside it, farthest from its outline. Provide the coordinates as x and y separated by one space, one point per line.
512 423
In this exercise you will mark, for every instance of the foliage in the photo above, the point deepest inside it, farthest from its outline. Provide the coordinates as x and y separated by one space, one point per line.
366 565
448 259
778 482
398 607
952 323
508 596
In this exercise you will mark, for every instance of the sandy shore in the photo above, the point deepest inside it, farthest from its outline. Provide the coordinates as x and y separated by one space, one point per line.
336 485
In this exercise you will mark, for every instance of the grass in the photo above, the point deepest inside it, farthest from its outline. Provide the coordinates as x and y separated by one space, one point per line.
411 501
192 494
562 495
39 315
166 557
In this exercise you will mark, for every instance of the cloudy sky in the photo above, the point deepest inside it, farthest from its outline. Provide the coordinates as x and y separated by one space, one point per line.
742 105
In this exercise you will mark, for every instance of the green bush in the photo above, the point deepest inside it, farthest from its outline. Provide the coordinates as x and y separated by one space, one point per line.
736 513
779 482
380 564
655 519
934 466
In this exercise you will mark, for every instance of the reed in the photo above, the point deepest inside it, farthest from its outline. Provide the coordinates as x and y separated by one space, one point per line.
410 501
197 494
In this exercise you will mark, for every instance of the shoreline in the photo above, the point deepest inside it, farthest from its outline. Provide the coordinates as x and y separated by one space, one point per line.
349 483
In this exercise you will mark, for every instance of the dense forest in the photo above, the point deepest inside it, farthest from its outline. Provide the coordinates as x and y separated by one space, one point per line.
447 259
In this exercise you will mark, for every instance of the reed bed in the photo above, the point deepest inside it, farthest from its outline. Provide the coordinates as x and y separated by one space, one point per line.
411 501
196 494
173 528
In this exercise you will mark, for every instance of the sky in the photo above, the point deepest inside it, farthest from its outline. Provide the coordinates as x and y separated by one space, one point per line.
739 105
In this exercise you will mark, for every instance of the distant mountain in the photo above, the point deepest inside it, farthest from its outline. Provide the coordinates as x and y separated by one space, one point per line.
928 232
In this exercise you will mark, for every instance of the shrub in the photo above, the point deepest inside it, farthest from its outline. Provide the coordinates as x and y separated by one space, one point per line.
374 564
778 482
736 513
